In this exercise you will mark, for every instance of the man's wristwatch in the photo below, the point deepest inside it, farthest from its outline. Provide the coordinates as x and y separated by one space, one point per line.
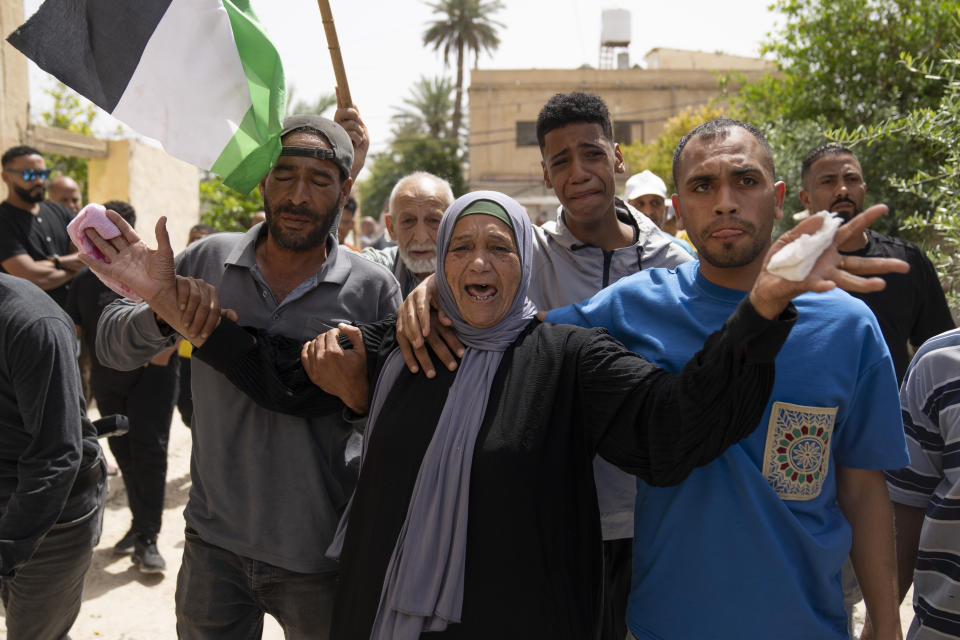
56 262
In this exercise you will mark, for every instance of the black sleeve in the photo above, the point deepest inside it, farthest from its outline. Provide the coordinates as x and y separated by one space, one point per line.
11 241
46 383
933 317
661 426
267 367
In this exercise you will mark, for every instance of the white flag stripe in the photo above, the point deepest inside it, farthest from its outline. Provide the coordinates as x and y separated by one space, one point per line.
210 91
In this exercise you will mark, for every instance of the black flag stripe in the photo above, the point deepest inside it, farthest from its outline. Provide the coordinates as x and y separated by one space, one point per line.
92 46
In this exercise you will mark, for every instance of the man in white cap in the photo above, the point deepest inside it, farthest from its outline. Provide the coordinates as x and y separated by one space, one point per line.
648 194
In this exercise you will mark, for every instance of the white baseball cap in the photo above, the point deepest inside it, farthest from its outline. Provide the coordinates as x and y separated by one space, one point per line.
644 183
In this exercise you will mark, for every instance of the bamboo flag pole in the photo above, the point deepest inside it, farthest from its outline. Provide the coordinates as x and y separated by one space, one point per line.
343 90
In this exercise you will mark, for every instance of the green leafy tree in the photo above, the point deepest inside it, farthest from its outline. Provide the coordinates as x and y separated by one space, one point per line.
938 182
72 112
657 156
439 156
225 209
838 66
427 110
464 26
418 144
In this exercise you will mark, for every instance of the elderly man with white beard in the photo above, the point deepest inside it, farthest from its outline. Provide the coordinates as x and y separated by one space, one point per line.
416 206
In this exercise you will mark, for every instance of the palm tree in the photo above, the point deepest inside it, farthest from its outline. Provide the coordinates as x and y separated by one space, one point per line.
427 110
464 25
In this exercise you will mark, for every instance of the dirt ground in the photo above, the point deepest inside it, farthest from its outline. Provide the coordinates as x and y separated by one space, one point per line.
120 603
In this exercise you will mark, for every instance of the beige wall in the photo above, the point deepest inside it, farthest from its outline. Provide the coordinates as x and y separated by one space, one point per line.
109 178
499 99
662 58
14 85
155 183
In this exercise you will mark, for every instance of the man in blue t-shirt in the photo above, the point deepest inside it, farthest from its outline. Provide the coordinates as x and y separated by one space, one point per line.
755 540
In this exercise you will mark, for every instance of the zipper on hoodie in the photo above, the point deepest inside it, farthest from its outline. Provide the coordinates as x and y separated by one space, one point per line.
607 259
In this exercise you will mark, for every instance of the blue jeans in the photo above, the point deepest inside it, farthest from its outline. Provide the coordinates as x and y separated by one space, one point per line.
43 599
221 595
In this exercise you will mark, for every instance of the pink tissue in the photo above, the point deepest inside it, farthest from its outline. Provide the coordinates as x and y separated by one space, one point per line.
94 216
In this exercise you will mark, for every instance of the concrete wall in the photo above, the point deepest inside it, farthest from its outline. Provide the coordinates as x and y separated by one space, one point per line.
663 58
14 84
155 183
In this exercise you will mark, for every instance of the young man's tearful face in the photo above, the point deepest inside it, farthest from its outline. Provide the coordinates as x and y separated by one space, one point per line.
580 164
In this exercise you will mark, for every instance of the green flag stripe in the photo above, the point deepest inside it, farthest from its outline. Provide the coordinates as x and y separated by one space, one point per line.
255 146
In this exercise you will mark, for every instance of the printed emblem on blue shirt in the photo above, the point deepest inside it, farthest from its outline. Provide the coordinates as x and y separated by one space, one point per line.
797 454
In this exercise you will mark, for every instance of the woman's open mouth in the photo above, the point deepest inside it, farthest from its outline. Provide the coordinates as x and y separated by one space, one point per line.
481 292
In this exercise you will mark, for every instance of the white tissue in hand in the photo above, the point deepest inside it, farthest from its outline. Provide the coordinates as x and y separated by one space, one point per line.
795 261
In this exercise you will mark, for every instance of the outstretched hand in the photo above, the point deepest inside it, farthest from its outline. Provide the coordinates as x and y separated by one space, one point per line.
147 272
190 306
771 294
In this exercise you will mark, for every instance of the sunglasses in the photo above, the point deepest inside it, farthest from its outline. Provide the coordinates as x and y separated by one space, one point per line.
31 174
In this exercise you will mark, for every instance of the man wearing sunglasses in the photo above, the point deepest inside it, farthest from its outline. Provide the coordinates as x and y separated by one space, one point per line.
34 244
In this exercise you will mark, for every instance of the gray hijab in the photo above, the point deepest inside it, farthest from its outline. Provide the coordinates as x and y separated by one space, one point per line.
423 586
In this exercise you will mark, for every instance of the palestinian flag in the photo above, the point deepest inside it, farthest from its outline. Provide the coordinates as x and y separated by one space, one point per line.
198 76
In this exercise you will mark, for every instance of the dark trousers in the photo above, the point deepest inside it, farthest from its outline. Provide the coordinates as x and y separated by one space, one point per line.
43 599
223 596
147 400
185 395
617 573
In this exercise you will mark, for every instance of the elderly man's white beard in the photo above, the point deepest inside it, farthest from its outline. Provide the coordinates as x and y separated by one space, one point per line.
425 265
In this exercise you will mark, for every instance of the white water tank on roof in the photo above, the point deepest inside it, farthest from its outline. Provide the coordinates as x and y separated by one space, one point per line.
615 28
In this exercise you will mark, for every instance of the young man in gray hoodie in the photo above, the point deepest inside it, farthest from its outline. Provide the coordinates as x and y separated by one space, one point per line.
595 240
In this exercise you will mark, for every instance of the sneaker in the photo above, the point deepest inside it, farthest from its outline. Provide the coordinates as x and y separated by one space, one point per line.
146 556
126 544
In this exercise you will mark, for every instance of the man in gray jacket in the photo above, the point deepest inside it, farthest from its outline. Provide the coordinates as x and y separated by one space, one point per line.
268 488
415 207
595 240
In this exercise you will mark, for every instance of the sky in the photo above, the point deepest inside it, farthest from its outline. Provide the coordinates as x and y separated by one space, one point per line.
383 52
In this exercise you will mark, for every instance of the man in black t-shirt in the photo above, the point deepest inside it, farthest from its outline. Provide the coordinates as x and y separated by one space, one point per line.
909 310
34 244
912 308
52 477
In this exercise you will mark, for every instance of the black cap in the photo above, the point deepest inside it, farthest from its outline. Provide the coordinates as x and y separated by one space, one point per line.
341 149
